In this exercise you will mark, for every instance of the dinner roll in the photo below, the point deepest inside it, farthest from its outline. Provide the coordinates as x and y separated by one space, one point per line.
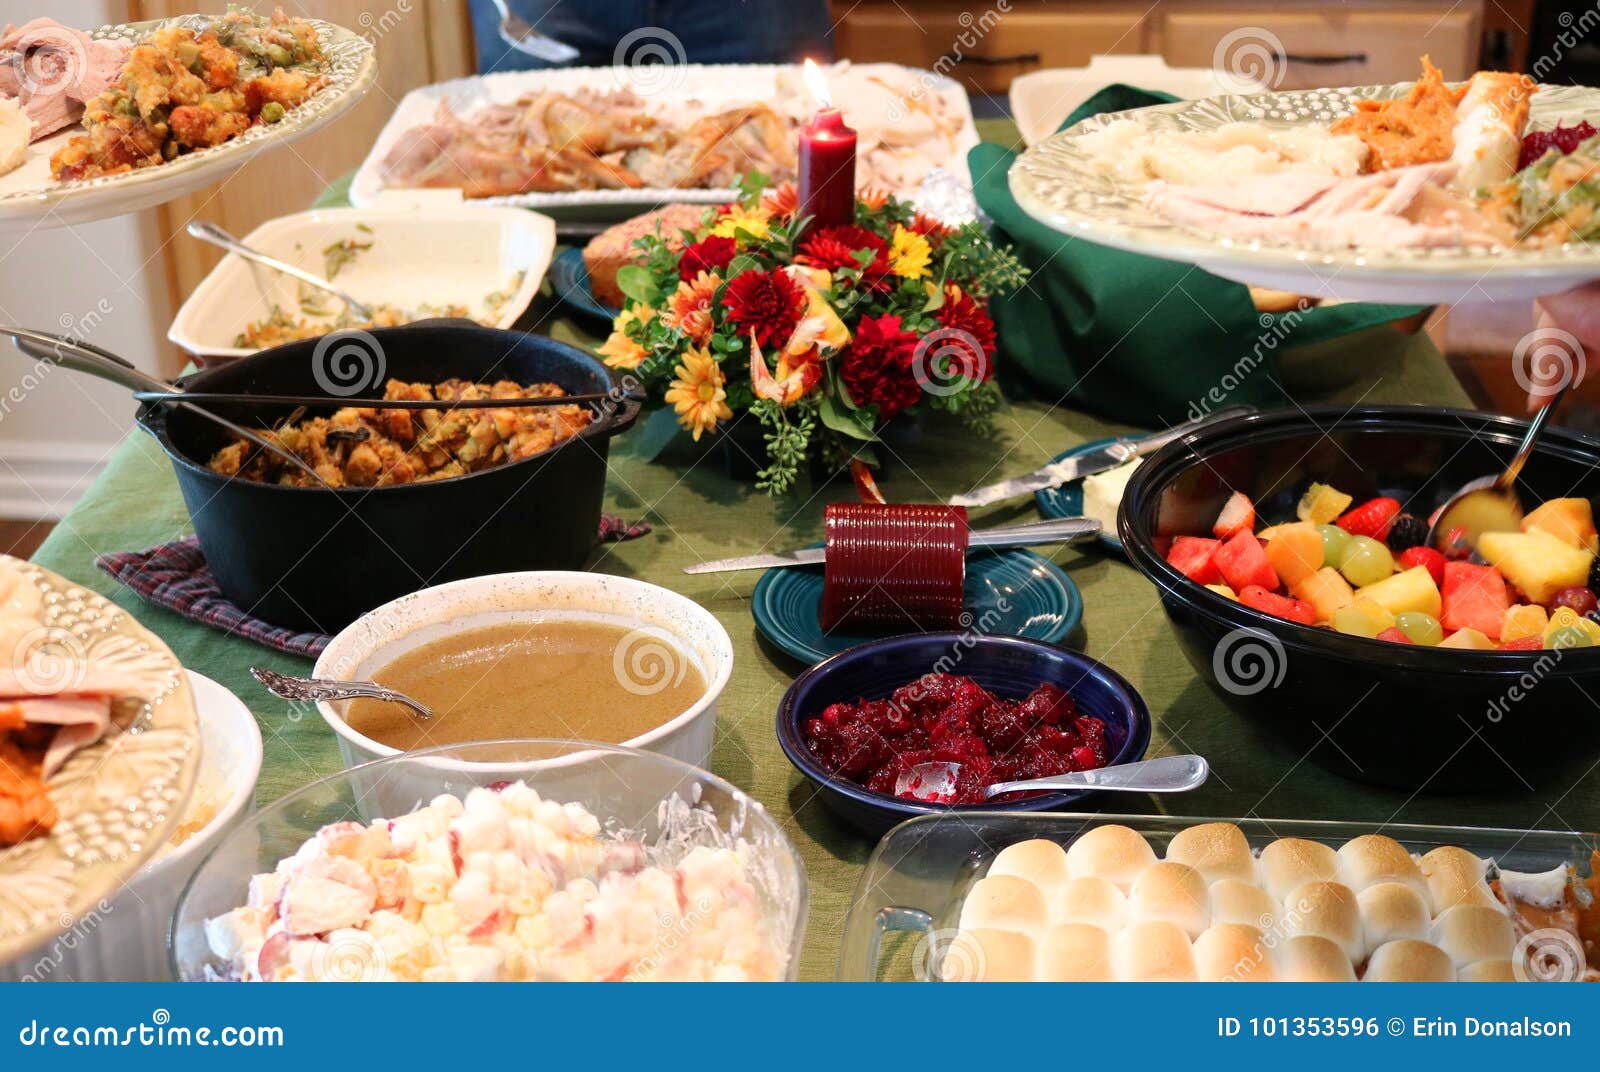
1111 852
1455 877
1310 958
1409 961
1470 933
1487 971
1040 861
1389 911
1154 951
1216 850
1005 901
1373 858
1173 892
1089 899
1233 953
1233 901
1289 863
1075 953
988 956
1327 909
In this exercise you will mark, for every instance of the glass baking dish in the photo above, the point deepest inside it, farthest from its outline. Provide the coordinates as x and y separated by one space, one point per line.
905 910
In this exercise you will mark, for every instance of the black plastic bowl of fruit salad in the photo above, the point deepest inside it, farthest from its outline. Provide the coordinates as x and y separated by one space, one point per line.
1407 716
1009 667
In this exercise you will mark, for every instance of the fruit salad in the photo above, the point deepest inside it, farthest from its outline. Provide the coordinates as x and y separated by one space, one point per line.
1365 569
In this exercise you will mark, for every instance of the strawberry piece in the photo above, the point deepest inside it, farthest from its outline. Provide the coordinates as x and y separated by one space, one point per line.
1424 556
1238 515
1243 562
1394 636
1195 558
1473 597
1296 610
1371 518
1527 643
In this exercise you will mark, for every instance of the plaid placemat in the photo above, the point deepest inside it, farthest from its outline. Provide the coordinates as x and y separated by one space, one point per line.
175 576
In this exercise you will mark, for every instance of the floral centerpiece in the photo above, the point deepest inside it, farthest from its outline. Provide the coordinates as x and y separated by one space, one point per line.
823 334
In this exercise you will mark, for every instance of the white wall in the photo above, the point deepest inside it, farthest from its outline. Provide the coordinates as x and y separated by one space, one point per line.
100 282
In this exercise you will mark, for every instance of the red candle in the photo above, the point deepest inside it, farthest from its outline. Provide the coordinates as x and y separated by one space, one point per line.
827 164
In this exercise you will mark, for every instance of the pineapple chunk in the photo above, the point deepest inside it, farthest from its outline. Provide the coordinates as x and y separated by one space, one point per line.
1468 638
1326 590
1523 620
1569 520
1412 590
1295 551
1321 504
1536 562
1224 590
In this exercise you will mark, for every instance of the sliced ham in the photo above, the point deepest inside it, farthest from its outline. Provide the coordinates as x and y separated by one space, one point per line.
54 70
80 722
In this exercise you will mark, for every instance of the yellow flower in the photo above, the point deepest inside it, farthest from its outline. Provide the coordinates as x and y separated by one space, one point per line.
697 394
689 308
620 351
909 254
751 221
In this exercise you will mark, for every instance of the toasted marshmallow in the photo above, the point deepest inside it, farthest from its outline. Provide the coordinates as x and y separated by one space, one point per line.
1326 909
1455 877
1173 892
1233 901
1155 951
1390 911
1374 858
1040 861
1470 933
1089 900
1289 863
1487 971
1113 853
993 956
1409 961
1075 953
1310 958
1005 901
1216 850
1233 953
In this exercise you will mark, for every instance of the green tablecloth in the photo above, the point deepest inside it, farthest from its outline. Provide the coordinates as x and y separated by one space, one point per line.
700 513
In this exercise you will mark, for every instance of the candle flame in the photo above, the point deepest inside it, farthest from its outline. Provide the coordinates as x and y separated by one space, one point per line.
816 83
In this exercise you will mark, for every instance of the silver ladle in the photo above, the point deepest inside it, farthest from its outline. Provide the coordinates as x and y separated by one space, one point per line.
311 689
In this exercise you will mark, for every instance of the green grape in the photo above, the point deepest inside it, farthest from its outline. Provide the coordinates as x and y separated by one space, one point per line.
1358 620
1569 636
1366 561
1334 542
1421 628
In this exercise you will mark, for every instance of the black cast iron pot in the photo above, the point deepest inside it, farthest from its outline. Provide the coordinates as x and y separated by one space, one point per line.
317 558
1413 717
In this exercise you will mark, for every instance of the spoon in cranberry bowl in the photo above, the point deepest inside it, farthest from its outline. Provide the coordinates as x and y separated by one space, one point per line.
935 783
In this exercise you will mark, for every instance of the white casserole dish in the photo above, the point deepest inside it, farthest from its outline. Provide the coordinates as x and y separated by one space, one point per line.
425 251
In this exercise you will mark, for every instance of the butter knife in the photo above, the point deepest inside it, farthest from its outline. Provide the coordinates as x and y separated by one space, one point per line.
1122 449
1060 530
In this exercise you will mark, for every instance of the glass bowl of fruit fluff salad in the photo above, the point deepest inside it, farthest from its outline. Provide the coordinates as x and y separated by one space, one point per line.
517 861
1290 552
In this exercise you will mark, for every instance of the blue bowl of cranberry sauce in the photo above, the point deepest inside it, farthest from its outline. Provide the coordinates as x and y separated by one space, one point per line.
1004 708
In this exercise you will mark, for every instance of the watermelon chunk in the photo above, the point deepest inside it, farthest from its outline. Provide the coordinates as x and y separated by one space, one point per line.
1473 597
1238 515
1296 610
1195 558
1243 562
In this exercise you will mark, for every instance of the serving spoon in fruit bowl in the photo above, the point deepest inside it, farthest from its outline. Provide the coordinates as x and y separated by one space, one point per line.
935 782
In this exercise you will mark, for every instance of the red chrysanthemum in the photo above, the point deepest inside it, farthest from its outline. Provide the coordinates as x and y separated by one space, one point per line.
835 247
768 303
962 314
877 369
707 255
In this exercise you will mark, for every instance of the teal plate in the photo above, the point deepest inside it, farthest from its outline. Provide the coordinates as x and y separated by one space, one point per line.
1067 500
1008 593
569 278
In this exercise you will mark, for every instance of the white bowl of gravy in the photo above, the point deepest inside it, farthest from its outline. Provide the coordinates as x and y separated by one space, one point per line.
576 656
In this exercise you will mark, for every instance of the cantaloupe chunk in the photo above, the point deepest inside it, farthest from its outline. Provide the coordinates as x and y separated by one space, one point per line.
1523 620
1326 590
1295 551
1536 562
1468 638
1568 520
1412 590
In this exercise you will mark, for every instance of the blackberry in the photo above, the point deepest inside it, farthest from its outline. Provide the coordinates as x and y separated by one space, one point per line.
1407 531
1594 575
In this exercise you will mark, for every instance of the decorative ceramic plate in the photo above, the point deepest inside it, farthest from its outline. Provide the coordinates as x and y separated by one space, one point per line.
1067 500
1058 183
569 278
30 198
1008 593
119 799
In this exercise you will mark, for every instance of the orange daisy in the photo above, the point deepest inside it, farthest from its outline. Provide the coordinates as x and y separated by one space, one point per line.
782 200
689 308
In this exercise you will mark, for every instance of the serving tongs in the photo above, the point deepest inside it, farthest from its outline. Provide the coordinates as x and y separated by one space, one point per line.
86 357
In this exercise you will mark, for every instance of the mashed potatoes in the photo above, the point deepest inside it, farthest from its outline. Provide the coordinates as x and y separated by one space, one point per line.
14 131
1129 151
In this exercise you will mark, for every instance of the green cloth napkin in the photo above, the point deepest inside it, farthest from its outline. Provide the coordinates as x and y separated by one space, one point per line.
1139 339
